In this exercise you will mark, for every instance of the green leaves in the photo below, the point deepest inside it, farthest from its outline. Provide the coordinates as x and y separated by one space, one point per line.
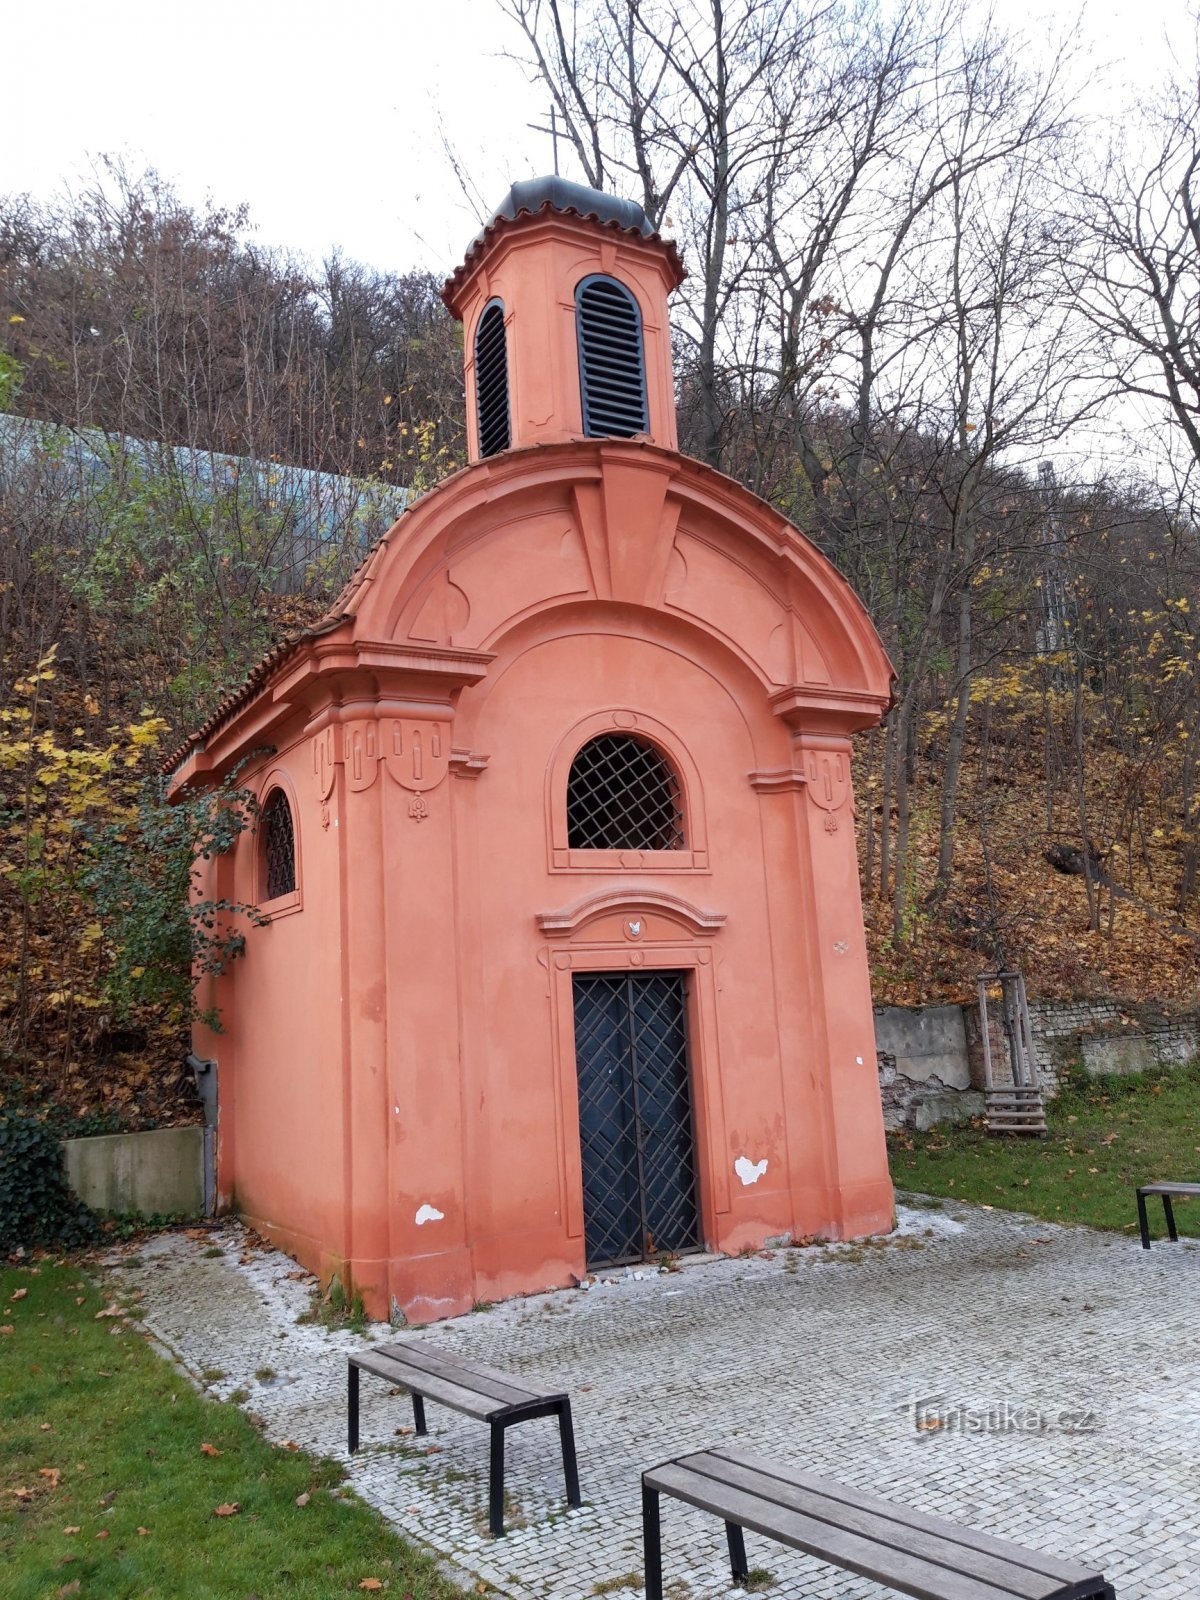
36 1207
146 877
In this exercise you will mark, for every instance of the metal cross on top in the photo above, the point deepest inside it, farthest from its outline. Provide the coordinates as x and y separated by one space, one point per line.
552 130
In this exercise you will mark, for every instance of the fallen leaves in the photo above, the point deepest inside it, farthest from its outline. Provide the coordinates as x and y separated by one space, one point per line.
110 1310
73 1529
18 1294
371 1583
51 1475
303 1499
229 1509
209 1449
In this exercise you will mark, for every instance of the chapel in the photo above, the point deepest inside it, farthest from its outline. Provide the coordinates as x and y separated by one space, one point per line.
561 962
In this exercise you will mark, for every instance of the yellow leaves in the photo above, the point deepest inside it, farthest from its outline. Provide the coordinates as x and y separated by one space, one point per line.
15 318
72 997
91 705
42 673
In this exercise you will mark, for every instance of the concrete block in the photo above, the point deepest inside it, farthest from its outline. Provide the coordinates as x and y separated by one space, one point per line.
1126 1052
940 1108
161 1172
927 1044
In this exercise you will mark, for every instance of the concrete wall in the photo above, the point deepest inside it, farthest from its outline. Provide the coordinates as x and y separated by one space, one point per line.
924 1068
931 1064
158 1173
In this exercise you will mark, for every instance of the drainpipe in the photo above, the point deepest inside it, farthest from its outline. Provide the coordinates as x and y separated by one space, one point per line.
204 1075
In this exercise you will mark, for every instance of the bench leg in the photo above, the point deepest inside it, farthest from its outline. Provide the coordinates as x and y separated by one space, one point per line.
652 1543
1169 1213
352 1404
1143 1222
737 1552
496 1483
419 1414
566 1436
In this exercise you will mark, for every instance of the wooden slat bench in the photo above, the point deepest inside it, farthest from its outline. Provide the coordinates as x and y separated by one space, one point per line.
1166 1190
904 1549
478 1391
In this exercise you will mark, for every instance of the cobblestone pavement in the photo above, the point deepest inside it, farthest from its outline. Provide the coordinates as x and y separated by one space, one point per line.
815 1356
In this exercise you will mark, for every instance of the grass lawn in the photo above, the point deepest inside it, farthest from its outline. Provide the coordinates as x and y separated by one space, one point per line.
118 1479
1106 1137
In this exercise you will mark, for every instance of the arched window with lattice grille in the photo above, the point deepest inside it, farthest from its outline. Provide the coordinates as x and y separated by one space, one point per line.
278 834
623 794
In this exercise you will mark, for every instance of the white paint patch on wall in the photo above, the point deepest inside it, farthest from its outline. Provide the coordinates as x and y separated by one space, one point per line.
429 1214
749 1171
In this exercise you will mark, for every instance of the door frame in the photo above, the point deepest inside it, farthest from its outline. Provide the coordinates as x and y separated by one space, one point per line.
678 949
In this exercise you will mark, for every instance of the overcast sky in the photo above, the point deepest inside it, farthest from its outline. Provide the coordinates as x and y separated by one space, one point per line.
328 120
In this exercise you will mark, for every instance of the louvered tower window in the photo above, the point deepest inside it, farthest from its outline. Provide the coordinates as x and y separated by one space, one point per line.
612 368
278 846
623 795
491 381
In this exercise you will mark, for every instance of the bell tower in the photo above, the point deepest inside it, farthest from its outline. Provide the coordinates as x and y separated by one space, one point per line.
563 301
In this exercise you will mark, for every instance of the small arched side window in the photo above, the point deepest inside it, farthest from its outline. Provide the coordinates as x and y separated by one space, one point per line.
491 381
612 366
623 794
278 846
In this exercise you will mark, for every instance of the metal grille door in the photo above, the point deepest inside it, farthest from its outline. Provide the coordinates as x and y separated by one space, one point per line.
635 1117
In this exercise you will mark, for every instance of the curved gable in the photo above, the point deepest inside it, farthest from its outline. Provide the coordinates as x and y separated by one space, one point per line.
633 526
623 524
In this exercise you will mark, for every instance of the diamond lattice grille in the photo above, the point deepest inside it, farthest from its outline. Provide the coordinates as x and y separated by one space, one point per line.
279 846
622 795
635 1117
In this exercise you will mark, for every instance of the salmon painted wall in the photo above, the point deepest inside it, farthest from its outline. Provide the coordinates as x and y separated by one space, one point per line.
281 1052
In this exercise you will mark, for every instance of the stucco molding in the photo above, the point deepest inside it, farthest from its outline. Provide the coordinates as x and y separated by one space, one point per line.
779 780
628 899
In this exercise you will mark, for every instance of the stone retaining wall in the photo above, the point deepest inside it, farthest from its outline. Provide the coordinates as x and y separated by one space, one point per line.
931 1058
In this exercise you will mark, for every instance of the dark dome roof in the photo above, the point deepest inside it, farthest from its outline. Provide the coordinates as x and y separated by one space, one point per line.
559 194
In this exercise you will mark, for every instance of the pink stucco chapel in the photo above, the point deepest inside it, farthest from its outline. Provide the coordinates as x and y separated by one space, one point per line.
563 961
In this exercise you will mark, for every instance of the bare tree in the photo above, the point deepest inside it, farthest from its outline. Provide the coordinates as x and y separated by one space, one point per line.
1137 266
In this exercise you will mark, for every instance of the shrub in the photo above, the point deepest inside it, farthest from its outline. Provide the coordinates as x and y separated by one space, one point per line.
36 1206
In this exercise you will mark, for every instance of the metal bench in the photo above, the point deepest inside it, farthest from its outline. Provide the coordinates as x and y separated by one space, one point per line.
1166 1190
477 1391
904 1549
